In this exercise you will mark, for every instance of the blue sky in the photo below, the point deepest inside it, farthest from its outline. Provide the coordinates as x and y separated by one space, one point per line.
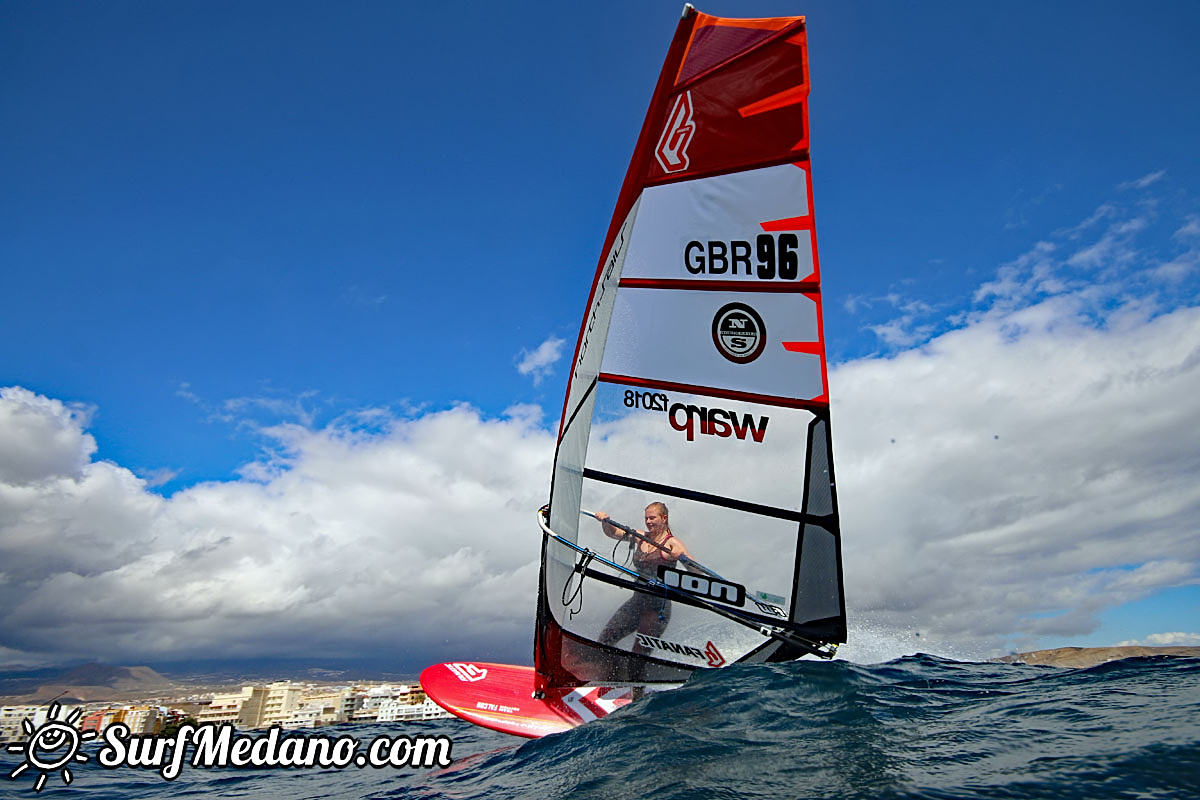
230 229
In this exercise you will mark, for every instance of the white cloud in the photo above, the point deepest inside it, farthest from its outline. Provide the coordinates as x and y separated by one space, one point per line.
540 361
1113 250
420 539
1035 457
1019 474
1190 228
1144 181
1185 263
41 438
856 302
901 332
1174 639
910 326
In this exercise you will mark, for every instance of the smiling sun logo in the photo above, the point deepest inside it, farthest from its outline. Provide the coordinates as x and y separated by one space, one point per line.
52 746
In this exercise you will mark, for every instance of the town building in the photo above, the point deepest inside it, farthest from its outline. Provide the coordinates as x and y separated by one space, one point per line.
283 703
396 710
243 709
12 717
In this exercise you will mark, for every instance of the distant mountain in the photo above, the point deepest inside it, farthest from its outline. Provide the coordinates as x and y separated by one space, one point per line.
1090 656
122 678
82 683
94 682
261 670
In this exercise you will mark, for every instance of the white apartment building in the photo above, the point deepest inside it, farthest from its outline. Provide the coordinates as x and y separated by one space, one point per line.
141 719
324 708
303 717
397 710
377 695
11 729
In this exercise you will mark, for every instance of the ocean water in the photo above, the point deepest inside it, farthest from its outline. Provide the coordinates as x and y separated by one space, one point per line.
917 727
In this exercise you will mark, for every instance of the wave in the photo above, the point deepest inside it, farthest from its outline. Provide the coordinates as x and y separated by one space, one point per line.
915 727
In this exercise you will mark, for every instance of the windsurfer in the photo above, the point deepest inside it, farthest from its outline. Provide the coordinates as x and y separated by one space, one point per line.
645 613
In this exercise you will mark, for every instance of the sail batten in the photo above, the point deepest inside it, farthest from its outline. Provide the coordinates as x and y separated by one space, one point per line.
715 391
805 287
692 494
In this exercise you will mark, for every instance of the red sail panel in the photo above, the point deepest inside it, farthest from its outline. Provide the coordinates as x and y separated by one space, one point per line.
736 108
732 95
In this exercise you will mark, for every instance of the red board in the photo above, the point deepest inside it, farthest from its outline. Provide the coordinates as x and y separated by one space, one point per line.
500 697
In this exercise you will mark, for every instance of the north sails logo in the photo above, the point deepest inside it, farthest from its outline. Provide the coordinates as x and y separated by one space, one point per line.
739 333
671 152
468 673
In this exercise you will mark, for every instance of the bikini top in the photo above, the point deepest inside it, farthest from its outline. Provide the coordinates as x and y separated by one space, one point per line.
643 560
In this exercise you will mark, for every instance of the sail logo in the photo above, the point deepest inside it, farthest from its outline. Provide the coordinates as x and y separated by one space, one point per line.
602 291
716 422
739 333
654 643
468 673
709 588
768 608
594 702
671 152
713 655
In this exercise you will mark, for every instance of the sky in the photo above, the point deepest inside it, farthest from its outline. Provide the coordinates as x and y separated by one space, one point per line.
287 292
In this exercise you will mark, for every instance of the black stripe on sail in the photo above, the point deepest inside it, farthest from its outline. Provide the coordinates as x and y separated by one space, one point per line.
691 494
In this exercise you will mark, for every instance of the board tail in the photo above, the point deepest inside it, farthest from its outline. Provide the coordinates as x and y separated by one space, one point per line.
501 697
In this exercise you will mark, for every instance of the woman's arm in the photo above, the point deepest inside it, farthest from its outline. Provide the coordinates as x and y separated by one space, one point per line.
676 547
609 530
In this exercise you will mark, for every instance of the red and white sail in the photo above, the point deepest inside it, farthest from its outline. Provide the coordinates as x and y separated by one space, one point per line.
699 380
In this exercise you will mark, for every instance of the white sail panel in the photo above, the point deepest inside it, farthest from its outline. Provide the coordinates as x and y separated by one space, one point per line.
667 336
710 228
711 445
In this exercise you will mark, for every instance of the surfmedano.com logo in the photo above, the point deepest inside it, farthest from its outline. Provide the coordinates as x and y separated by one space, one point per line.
54 747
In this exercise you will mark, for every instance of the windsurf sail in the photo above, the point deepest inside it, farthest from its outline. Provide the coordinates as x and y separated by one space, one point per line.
699 381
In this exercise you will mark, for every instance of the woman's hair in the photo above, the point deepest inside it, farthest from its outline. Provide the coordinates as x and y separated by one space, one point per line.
666 515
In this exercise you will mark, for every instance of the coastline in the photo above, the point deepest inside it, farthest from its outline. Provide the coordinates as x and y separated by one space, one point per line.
1078 657
143 684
